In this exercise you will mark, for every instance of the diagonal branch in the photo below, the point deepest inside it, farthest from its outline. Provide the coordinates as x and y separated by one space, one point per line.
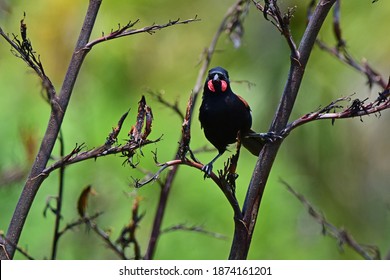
356 108
341 52
218 180
199 229
24 50
244 230
34 181
127 30
159 96
22 251
341 235
281 22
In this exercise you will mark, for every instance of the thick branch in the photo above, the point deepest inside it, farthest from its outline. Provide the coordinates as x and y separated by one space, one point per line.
244 231
56 117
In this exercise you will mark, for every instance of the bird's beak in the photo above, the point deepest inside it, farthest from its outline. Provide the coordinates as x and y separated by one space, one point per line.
216 77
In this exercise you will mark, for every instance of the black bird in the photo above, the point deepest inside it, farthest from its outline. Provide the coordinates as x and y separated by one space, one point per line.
223 114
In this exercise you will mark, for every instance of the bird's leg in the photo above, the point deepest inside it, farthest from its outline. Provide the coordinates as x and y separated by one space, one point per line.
268 137
193 156
209 167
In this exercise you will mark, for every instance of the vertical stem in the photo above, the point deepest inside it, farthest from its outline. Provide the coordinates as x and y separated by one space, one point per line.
59 106
244 230
164 194
59 199
195 93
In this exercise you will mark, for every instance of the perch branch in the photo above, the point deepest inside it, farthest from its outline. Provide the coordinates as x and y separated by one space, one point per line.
217 180
230 19
244 230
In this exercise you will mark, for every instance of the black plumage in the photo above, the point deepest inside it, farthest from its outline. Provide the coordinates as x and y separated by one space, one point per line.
223 114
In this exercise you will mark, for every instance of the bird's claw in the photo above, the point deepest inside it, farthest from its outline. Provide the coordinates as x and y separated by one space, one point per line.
268 137
271 136
207 169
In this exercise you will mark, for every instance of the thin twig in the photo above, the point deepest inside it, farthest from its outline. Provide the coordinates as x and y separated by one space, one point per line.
59 199
341 52
80 221
160 98
228 191
355 108
95 153
106 237
341 235
200 229
281 22
127 30
128 233
24 50
138 138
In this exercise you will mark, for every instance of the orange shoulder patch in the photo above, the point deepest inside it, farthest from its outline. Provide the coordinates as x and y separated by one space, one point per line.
244 101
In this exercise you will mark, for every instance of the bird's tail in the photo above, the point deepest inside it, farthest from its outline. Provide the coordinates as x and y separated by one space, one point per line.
253 142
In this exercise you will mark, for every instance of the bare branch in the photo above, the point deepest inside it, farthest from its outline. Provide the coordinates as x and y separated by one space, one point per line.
58 209
159 96
113 136
127 30
200 229
233 13
226 189
245 228
34 181
281 22
341 235
356 108
80 221
24 50
128 233
341 52
4 240
106 237
138 138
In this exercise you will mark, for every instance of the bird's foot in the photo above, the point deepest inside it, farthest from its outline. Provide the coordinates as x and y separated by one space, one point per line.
268 137
207 169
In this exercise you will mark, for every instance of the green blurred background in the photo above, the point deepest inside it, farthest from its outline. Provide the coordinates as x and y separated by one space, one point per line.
342 169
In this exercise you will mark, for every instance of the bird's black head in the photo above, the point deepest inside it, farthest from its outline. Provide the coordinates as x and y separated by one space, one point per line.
217 80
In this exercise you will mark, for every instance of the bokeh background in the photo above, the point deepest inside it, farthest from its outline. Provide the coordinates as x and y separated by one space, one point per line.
343 170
